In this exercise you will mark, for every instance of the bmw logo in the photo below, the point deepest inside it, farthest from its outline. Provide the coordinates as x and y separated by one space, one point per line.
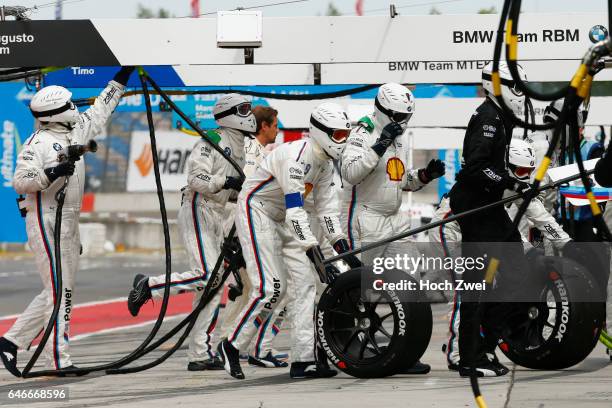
228 151
598 33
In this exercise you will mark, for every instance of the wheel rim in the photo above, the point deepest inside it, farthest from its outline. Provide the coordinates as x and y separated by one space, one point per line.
360 331
535 324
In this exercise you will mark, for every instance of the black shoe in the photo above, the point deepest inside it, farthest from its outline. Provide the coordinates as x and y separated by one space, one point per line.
8 353
453 367
268 361
139 295
137 279
231 359
496 363
208 364
417 368
485 368
311 370
69 372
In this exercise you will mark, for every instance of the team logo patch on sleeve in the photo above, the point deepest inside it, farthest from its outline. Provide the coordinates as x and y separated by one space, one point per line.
395 169
329 224
491 174
57 147
298 230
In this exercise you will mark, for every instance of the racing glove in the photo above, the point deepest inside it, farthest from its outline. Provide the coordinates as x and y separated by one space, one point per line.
233 183
63 169
123 75
316 257
435 168
332 271
387 136
341 246
520 187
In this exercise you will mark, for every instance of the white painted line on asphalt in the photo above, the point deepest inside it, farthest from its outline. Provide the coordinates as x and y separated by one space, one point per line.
430 382
80 305
121 328
15 273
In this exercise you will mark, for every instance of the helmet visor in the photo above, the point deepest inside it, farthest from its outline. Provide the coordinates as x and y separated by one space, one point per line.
340 135
523 172
400 117
244 109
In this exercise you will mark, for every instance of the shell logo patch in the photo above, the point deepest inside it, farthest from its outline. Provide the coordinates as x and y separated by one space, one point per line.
308 189
395 169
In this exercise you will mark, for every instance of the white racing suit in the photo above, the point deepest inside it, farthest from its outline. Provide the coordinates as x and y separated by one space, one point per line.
39 152
372 189
274 233
449 237
254 152
200 222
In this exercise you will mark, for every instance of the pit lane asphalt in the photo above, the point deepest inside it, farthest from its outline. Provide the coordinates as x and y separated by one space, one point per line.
99 277
588 384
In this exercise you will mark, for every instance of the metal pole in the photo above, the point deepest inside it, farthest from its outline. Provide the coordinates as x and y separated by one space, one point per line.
449 219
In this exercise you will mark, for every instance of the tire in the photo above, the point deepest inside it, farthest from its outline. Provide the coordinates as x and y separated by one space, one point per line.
556 333
357 336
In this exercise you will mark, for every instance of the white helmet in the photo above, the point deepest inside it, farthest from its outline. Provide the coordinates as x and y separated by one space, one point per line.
521 159
512 96
329 128
394 103
539 143
553 110
234 111
53 104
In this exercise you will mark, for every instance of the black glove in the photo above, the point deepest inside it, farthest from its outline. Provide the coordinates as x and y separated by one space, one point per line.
341 246
387 136
316 257
435 168
233 183
63 169
124 75
520 187
234 292
332 271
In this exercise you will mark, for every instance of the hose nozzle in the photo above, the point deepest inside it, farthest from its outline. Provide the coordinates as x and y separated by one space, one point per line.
74 152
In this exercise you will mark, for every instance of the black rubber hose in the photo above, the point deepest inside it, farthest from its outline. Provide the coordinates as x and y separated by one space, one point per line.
497 49
19 70
597 215
514 15
210 290
533 192
137 352
59 196
194 126
609 15
192 317
19 75
268 95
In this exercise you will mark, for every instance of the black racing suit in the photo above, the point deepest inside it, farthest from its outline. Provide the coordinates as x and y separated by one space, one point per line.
482 180
603 169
